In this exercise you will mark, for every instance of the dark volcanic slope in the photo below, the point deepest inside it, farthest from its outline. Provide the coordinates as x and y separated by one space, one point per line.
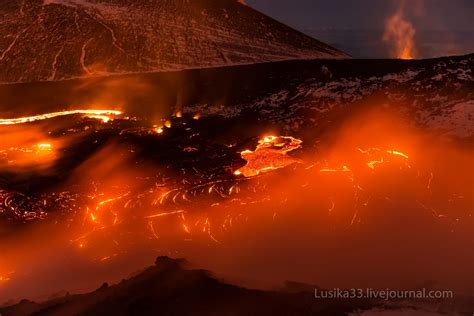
62 39
168 289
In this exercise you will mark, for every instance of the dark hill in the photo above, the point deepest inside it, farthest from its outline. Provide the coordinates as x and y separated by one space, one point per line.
168 288
44 40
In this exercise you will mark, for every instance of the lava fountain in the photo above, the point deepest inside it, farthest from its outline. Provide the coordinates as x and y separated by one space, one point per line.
400 34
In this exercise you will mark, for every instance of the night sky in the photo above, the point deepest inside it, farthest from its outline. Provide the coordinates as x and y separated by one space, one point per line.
443 26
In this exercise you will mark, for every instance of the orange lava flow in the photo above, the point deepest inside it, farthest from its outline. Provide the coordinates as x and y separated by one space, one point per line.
41 154
271 154
104 115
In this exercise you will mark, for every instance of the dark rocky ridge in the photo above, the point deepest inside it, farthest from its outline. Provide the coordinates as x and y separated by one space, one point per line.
168 288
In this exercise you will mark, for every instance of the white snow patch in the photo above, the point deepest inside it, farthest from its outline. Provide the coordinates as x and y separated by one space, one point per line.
456 120
402 77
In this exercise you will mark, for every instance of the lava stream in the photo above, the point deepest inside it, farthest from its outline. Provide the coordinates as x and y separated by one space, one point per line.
104 115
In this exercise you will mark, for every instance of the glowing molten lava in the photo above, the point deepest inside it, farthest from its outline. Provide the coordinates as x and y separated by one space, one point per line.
43 146
104 115
270 154
400 33
103 118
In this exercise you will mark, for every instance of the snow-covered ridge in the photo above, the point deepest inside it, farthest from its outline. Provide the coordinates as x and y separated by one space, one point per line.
436 95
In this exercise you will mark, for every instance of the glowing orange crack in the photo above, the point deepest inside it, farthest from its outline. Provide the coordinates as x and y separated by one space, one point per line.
165 214
271 154
373 163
